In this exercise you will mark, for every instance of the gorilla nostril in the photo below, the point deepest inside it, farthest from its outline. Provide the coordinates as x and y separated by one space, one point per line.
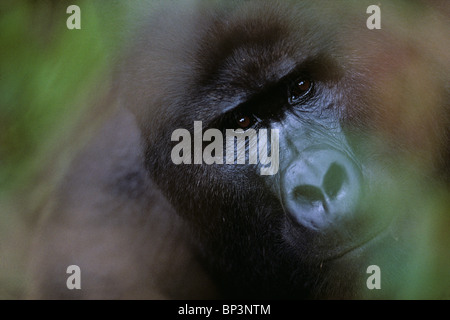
334 180
320 187
309 194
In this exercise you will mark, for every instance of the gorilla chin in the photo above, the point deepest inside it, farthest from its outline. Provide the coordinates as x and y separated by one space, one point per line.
362 186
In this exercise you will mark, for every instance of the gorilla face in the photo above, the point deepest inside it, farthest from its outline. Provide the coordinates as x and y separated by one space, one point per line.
350 105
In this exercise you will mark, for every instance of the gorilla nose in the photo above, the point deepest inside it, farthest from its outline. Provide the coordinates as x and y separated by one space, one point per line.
320 187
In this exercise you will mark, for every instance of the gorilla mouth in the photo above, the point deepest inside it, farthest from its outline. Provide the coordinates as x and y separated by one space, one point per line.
362 245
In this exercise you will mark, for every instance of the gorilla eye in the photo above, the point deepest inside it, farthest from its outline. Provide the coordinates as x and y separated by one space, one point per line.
236 119
244 122
299 90
303 86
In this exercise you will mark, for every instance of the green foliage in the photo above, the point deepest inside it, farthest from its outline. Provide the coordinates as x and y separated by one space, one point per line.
49 76
47 73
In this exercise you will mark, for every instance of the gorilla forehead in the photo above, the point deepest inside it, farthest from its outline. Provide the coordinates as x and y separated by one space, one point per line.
251 45
220 56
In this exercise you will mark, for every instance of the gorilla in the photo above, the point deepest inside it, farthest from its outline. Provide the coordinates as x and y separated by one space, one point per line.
362 120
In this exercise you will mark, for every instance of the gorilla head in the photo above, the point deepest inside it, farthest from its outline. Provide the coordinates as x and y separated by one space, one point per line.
350 105
357 125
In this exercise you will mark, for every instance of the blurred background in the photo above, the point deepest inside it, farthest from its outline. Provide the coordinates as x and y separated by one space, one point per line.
49 77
